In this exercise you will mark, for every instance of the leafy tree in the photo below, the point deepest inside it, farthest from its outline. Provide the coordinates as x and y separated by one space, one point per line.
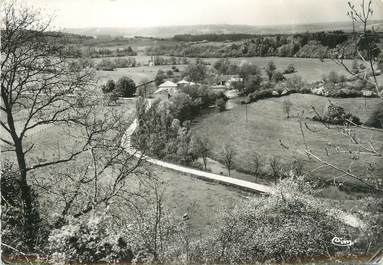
125 87
201 148
196 72
270 69
253 84
182 107
247 69
160 77
225 67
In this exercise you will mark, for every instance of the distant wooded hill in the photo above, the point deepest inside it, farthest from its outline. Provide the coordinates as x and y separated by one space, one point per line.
170 31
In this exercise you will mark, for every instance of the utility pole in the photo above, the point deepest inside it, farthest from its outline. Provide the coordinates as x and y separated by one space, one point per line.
246 111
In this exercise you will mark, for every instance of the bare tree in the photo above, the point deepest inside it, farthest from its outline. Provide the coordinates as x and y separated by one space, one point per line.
275 166
287 107
228 157
151 222
365 52
366 49
41 87
256 164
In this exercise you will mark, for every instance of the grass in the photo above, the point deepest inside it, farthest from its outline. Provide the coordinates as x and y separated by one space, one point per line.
310 69
135 73
205 198
182 191
268 127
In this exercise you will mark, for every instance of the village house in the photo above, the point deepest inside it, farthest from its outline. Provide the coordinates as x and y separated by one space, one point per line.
166 90
228 81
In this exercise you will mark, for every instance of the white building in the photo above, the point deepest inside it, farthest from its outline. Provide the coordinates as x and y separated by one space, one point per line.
166 90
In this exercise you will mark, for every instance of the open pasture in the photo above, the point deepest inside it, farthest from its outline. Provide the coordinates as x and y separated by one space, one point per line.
270 134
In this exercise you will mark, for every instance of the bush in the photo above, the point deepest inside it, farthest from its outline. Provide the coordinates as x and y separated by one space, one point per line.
376 119
221 104
160 77
125 87
90 239
290 69
105 65
276 228
336 115
278 76
109 86
14 231
267 93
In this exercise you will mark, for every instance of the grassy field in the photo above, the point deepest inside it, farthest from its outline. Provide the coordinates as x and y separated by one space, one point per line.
268 127
135 73
182 191
309 69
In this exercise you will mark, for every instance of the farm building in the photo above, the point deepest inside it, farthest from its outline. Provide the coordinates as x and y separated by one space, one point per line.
228 80
165 90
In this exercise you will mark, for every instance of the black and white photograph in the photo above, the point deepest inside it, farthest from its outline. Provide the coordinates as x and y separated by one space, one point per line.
215 132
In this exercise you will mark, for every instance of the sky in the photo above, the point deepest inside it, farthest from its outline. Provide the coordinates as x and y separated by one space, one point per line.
146 13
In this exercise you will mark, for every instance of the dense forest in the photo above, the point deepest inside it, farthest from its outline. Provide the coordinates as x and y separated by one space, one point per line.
306 45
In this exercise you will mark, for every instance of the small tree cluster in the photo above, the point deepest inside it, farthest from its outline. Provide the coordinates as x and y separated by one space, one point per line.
125 87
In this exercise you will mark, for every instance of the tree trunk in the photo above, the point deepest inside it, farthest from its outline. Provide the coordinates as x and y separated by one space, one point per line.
25 189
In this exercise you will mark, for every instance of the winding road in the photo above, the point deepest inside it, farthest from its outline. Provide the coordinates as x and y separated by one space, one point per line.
246 185
242 184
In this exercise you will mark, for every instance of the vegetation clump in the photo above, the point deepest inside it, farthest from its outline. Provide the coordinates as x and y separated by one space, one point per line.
336 115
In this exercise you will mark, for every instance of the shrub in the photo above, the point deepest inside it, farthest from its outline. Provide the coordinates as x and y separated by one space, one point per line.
267 93
105 65
336 115
290 69
90 239
278 76
25 237
109 86
376 119
280 227
221 104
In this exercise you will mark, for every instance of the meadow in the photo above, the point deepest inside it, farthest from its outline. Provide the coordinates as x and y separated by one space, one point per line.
309 69
269 133
205 199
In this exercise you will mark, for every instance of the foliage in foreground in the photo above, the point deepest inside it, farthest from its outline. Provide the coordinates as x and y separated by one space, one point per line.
287 225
